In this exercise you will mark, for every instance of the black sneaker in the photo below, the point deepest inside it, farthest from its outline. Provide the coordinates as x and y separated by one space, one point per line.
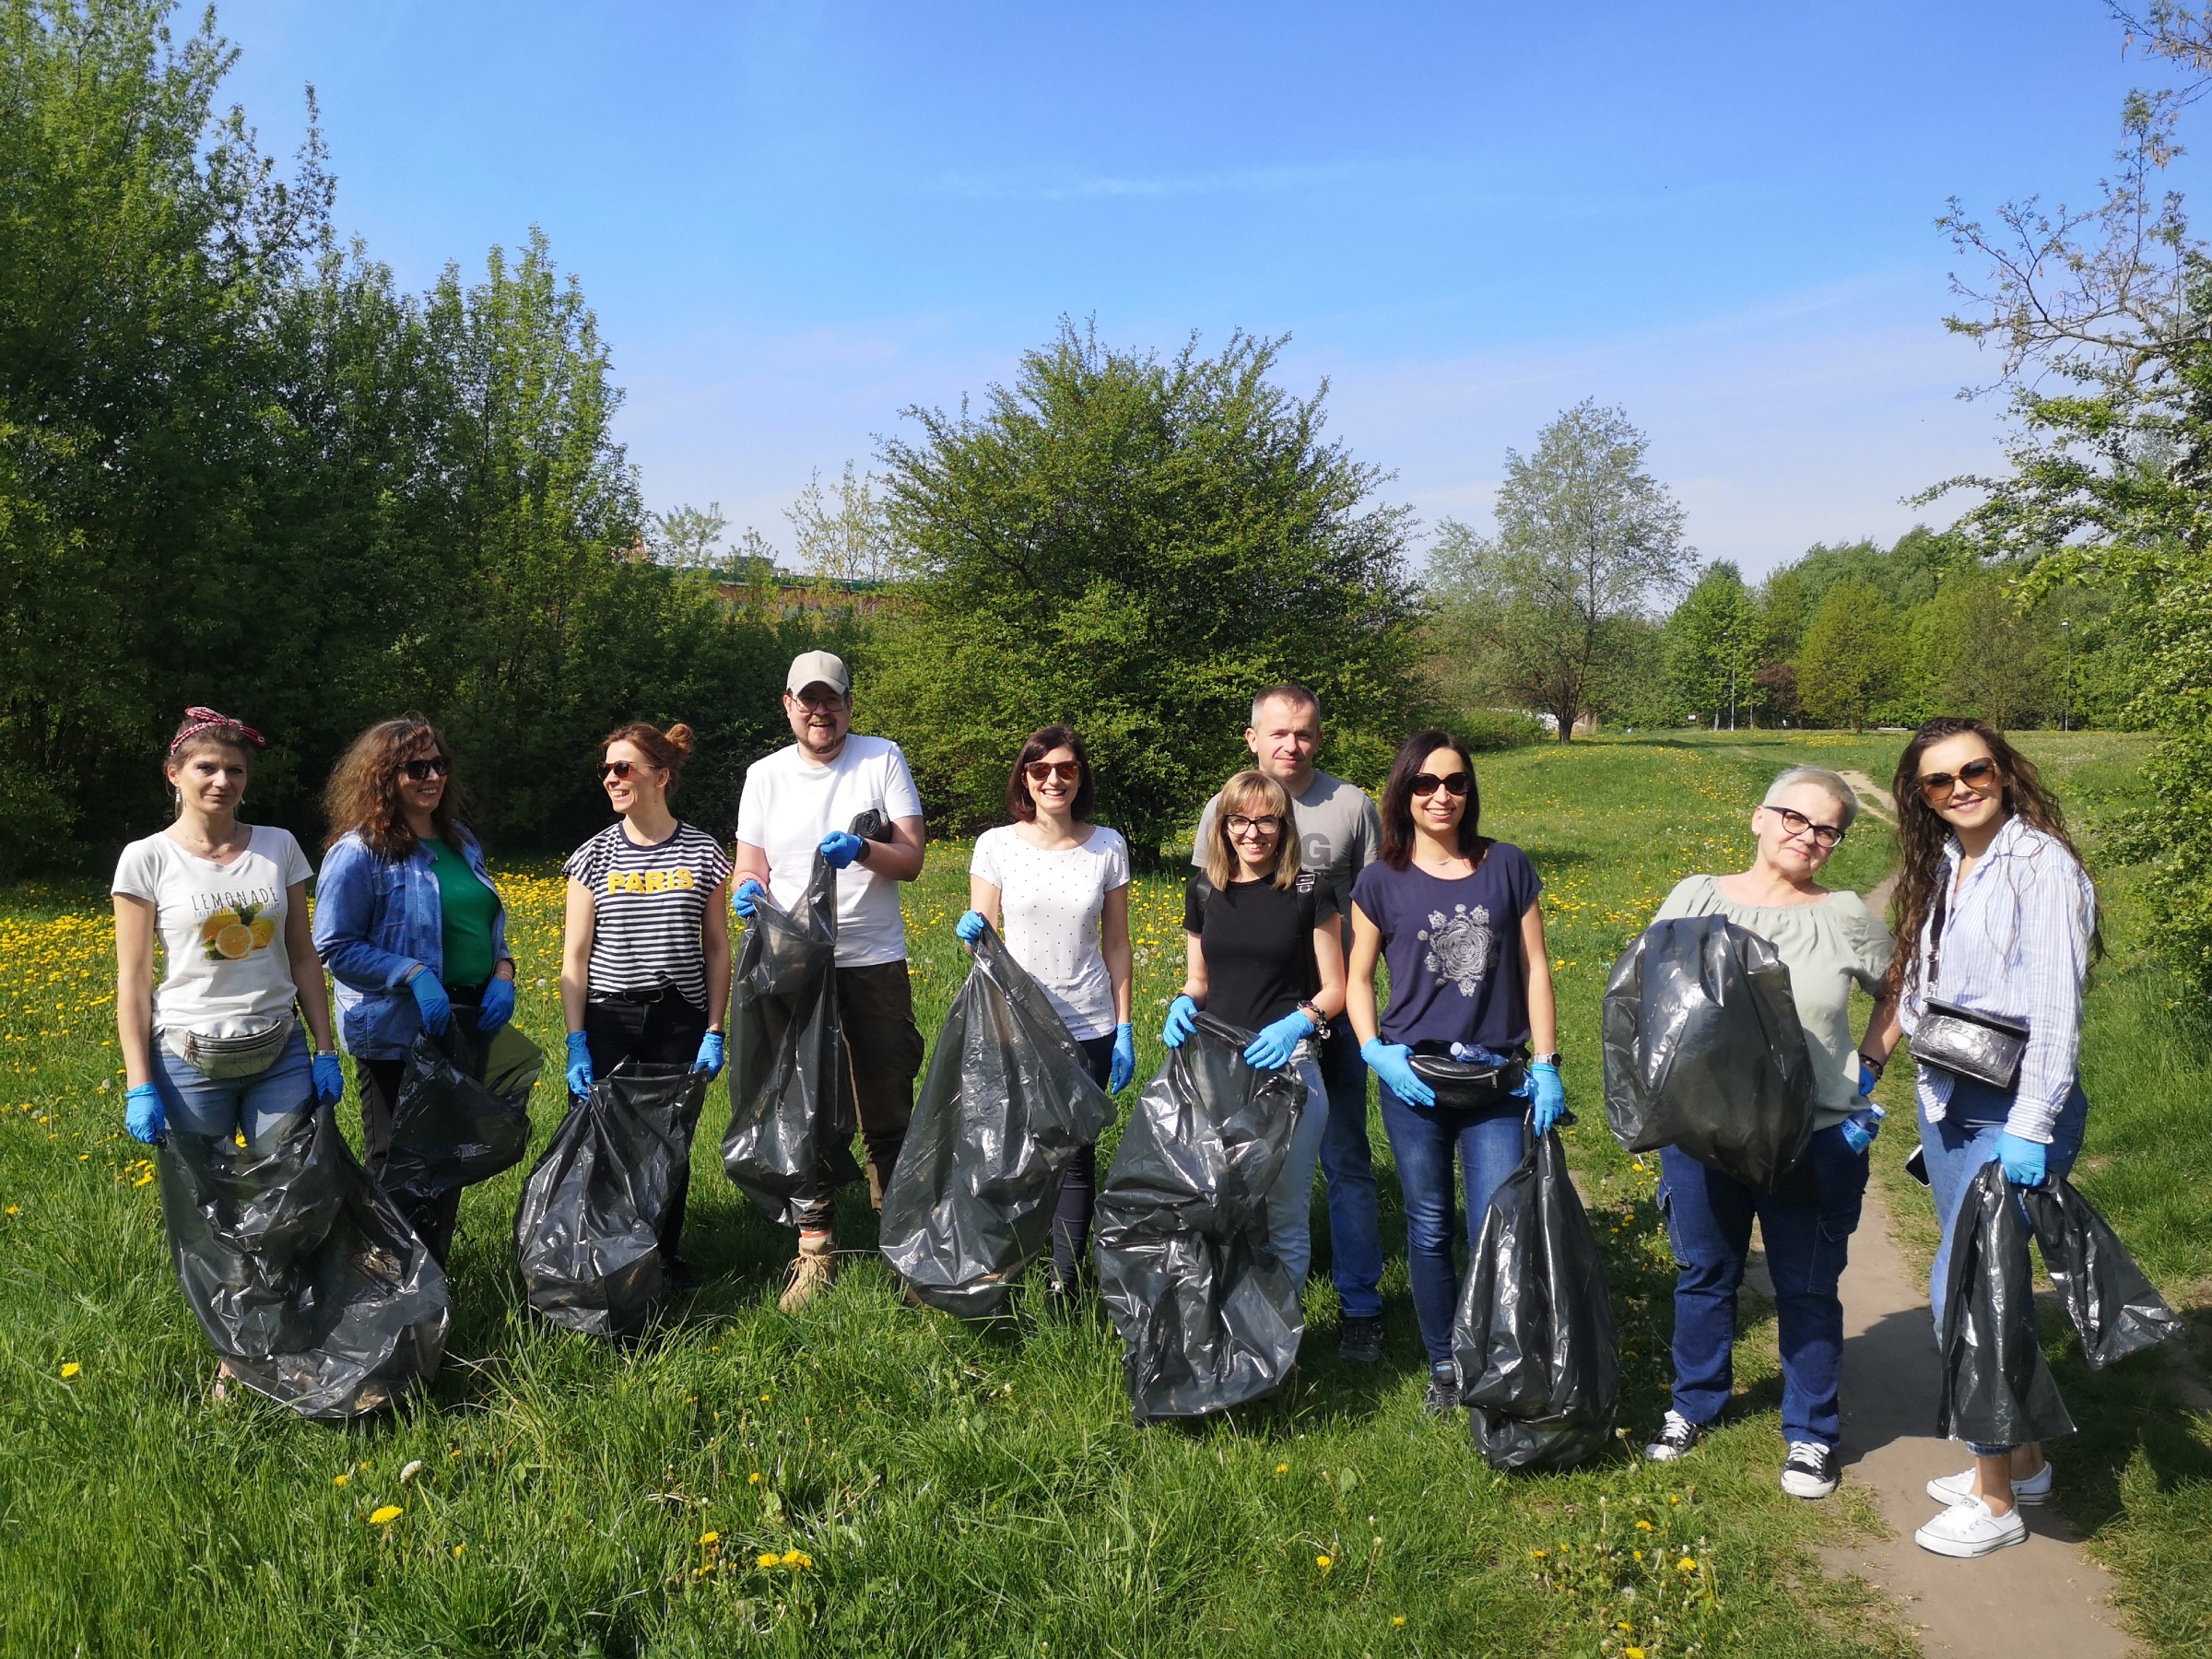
1677 1436
1810 1470
1360 1339
681 1276
1442 1398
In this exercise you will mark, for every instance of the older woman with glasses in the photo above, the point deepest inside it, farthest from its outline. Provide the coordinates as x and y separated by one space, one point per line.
1830 941
1262 953
1454 916
1056 885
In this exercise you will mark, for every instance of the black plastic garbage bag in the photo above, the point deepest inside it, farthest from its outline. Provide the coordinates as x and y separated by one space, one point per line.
1997 1388
464 1110
587 1236
305 1275
1704 1052
1007 1103
1208 1318
2116 1309
1539 1357
792 1117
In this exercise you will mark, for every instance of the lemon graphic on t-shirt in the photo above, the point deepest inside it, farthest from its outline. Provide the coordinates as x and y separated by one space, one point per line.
233 931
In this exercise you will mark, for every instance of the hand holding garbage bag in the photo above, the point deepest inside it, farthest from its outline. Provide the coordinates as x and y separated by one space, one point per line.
1393 1061
142 1112
1548 1096
1182 1019
436 1007
840 848
1006 1105
710 1056
579 1064
1276 1043
2026 1162
969 927
743 896
329 1079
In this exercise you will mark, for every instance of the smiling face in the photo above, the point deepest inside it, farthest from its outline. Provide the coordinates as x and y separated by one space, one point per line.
644 784
1282 737
211 778
1968 804
1052 779
820 715
1254 834
1440 811
1790 846
421 794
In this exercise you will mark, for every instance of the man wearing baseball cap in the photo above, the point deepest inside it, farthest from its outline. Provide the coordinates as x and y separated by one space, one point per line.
799 801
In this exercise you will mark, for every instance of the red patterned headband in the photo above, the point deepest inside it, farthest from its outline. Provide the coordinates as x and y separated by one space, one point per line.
199 720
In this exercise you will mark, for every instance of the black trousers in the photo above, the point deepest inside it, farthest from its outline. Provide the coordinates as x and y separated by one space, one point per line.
1079 1182
435 1220
666 1032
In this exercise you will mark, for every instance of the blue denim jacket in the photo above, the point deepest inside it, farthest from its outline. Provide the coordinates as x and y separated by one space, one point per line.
373 922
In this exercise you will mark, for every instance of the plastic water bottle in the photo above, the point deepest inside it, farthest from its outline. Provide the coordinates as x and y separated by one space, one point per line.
1862 1126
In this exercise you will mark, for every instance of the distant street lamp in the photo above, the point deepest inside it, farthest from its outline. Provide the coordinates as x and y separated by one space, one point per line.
2065 678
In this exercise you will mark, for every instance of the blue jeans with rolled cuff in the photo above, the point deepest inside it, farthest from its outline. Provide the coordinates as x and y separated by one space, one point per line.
1806 1227
1957 1147
1348 1169
1425 1140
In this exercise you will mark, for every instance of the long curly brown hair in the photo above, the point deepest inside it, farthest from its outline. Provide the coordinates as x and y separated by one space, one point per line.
1922 835
362 796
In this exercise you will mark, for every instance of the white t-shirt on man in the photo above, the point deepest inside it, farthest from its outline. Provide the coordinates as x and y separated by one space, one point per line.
229 973
790 804
1050 906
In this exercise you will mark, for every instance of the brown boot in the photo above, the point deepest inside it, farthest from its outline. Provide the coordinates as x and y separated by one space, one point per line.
816 1269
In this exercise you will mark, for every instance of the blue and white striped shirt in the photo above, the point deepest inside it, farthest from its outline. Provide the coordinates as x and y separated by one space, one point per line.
2016 944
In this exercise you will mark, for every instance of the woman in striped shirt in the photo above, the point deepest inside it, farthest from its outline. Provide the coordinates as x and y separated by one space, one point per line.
1997 916
645 963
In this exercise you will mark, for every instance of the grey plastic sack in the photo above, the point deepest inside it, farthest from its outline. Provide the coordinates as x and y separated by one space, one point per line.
1007 1103
302 1274
791 1118
1538 1354
587 1235
463 1113
1997 1388
1704 1052
2115 1309
1207 1316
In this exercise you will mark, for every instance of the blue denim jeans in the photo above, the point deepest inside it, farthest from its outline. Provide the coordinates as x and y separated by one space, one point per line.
1806 1229
1423 1139
1290 1199
261 1107
1348 1166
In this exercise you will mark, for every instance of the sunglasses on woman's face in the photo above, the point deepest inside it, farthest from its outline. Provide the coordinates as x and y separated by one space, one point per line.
615 768
1936 788
421 771
1428 783
1068 771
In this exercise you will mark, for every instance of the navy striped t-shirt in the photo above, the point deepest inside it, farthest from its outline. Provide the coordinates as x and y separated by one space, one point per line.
649 904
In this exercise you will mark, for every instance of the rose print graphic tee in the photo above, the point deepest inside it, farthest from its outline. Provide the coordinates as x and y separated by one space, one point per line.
1453 949
227 971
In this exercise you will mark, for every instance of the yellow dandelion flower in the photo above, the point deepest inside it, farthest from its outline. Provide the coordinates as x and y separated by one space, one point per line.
386 1516
459 1547
1686 1564
13 1210
709 1537
1631 1653
1324 1562
1643 1526
766 1558
70 1369
1637 1553
1537 1553
798 1560
1397 1619
754 1478
340 1479
1282 1468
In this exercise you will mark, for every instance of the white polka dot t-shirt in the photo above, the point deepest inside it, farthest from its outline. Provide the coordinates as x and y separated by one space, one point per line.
1049 905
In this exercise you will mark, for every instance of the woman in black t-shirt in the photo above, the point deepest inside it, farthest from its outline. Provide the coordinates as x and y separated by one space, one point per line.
1263 954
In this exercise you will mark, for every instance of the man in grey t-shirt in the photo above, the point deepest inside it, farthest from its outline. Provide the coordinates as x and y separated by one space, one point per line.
1339 834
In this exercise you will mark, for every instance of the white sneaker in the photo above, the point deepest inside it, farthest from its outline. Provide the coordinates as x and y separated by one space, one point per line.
1956 1488
1968 1529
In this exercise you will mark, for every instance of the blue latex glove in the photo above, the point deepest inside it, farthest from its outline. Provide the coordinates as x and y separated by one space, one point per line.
579 1064
969 927
1862 1126
430 997
1124 1067
840 848
1182 1019
743 896
710 1056
1393 1063
330 1079
498 1006
2023 1161
1273 1046
143 1114
1866 1079
1551 1097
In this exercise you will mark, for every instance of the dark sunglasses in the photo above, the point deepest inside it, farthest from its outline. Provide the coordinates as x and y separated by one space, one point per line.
615 768
1068 771
1428 783
417 772
1935 787
1796 823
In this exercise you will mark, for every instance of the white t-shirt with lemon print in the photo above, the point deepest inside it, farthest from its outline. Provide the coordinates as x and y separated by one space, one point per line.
228 973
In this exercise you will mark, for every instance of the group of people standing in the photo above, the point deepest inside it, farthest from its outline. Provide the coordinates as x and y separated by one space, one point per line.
1304 894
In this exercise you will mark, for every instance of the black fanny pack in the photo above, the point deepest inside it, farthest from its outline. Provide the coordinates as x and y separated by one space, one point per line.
1466 1085
1986 1047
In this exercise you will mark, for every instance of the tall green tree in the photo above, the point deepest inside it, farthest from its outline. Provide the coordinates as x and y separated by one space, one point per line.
1135 544
1713 648
1550 612
1848 663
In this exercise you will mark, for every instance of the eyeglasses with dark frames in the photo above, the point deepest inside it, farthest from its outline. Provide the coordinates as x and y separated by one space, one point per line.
1265 825
1428 783
421 771
1936 788
1795 824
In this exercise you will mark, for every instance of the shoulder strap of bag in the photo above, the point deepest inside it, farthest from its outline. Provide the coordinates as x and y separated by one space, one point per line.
1943 900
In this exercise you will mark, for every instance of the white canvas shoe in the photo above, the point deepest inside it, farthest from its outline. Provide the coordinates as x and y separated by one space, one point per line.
1956 1488
1967 1530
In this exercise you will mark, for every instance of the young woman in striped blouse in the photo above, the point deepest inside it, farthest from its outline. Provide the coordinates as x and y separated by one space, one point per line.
645 963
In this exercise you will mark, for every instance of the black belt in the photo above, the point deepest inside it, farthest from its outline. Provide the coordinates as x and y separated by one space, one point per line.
663 992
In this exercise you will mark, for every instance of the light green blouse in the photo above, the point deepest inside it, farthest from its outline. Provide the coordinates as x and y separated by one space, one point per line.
1827 944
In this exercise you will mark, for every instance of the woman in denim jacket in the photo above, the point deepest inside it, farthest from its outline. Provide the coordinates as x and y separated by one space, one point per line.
408 923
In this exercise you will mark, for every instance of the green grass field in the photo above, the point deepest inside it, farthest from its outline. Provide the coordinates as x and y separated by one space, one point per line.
926 1488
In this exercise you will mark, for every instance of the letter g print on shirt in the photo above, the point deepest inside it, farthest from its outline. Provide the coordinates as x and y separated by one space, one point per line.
1460 947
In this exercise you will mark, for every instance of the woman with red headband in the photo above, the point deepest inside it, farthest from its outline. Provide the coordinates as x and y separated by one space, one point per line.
216 1049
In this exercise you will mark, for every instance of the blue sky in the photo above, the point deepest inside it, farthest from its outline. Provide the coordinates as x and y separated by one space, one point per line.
796 221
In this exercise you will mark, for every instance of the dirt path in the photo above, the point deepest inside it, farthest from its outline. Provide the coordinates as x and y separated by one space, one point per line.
2043 1599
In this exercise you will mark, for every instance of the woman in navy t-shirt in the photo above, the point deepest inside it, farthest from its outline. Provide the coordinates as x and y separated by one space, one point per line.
1455 918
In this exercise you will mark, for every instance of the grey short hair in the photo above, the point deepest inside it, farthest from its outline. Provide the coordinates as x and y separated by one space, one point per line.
1297 696
1820 778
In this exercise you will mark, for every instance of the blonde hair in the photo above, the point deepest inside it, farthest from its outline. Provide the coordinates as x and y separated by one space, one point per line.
1242 794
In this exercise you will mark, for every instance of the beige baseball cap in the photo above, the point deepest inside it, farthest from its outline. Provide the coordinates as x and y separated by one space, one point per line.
818 668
